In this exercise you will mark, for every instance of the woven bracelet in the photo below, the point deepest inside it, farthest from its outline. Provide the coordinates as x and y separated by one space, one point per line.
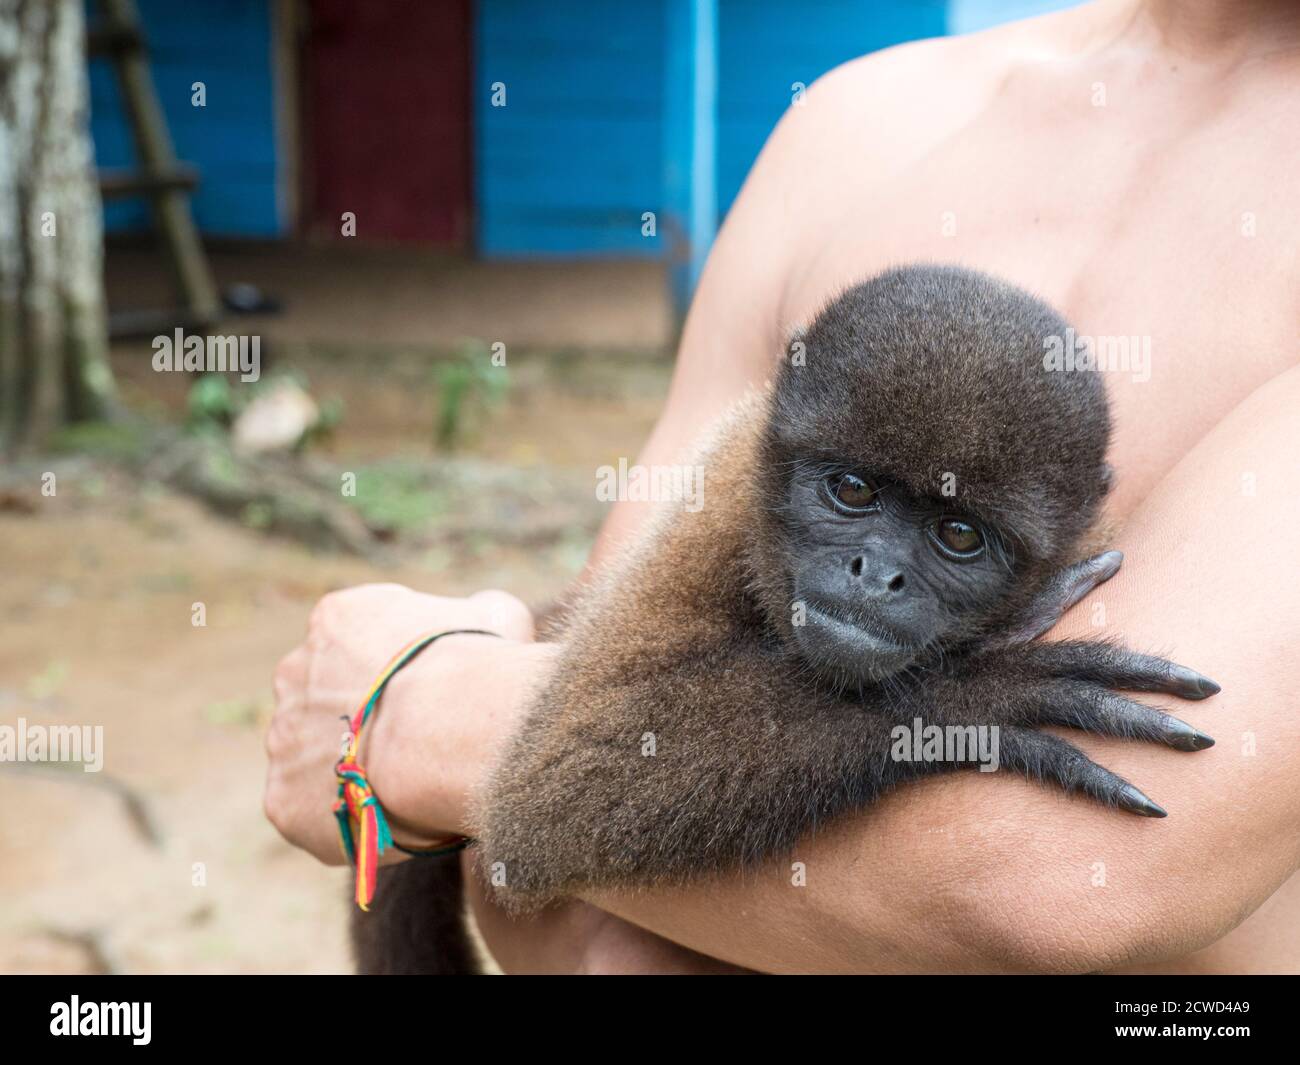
363 828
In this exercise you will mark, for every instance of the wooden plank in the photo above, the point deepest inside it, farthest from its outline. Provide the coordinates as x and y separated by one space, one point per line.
121 184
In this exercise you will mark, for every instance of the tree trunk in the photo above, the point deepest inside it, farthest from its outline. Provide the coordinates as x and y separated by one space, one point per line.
53 336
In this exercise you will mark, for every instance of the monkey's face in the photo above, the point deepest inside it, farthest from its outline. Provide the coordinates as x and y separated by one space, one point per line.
881 579
954 439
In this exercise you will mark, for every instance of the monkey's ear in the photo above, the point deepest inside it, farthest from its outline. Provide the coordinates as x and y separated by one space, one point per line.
1107 478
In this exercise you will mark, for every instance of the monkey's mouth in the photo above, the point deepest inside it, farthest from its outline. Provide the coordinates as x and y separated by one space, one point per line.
852 647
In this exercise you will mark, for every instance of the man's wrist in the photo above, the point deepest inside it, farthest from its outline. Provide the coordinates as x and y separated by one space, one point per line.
441 726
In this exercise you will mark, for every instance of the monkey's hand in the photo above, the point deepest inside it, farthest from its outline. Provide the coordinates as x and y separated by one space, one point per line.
1073 684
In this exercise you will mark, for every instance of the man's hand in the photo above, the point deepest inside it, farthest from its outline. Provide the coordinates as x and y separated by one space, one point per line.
436 729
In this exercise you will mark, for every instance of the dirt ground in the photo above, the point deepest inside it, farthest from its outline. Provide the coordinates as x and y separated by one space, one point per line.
163 861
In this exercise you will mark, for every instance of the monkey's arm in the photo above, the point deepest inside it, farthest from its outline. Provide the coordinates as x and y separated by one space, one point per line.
720 759
712 760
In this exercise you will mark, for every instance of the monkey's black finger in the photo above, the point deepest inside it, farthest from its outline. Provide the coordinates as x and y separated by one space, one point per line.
1190 684
1096 710
1184 737
1117 667
1146 673
1044 757
1062 591
1081 578
1135 802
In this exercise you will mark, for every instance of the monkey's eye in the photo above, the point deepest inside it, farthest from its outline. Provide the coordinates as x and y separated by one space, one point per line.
959 538
852 493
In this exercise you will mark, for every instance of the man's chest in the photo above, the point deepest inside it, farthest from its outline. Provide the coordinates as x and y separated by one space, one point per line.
1175 259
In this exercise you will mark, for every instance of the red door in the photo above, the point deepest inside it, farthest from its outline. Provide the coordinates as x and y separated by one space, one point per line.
385 96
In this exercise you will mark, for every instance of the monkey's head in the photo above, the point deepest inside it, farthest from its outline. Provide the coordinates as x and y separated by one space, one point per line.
924 473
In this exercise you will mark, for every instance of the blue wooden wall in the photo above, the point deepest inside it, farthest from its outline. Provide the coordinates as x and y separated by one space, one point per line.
767 46
576 156
227 44
573 158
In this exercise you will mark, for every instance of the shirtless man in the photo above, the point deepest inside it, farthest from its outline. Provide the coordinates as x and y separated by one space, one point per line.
1135 163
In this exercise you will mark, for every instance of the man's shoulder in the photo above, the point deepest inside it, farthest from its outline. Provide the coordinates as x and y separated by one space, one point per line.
948 64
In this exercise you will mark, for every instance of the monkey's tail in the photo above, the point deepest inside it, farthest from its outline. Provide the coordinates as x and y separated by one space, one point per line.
416 923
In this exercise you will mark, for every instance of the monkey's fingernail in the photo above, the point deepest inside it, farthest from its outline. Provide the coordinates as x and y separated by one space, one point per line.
1135 802
1193 685
1104 567
1109 562
1184 737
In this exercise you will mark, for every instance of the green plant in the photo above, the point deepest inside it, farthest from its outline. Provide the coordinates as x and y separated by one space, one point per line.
395 496
469 387
210 402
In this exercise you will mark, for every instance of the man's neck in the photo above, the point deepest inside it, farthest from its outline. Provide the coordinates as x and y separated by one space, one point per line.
1234 29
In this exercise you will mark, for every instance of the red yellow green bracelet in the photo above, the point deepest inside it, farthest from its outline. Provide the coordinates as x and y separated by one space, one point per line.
363 828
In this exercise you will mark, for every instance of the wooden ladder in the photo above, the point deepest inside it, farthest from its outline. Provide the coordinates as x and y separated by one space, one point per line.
166 183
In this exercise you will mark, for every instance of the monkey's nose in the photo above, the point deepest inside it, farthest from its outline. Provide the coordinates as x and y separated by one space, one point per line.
881 584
